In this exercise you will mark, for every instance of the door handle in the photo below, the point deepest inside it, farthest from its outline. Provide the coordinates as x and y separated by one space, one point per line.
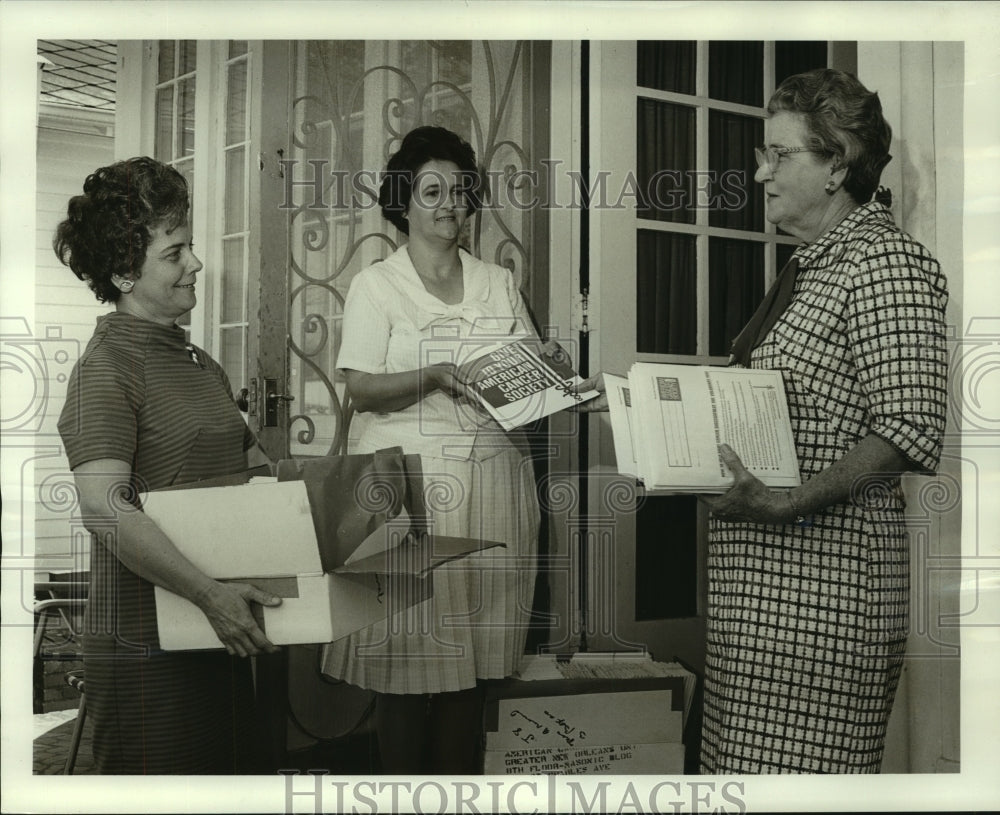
243 399
272 399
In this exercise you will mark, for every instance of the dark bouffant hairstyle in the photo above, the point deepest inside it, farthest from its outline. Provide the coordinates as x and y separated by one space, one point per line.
107 229
845 122
419 146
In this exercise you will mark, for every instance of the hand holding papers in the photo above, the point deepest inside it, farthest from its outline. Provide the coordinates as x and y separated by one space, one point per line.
749 499
669 420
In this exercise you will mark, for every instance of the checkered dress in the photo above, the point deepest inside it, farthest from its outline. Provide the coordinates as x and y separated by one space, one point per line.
807 625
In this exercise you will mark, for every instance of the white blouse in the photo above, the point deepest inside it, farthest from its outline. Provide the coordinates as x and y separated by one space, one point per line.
393 324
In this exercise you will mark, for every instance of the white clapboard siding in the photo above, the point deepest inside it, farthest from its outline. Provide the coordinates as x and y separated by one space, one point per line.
65 313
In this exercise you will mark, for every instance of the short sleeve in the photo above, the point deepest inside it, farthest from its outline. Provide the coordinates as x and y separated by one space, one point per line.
365 337
100 416
896 327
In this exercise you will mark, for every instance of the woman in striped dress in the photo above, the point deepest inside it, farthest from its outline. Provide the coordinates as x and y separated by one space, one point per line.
808 588
405 320
146 409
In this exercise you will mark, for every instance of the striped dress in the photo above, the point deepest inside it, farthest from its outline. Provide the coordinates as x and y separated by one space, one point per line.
478 483
137 395
807 625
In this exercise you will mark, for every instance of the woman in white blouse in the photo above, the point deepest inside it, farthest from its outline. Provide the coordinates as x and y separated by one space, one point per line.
405 320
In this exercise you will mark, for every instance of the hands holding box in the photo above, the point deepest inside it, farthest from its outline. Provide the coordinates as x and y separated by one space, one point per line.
341 540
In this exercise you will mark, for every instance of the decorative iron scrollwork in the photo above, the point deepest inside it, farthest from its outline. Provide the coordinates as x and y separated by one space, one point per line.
353 103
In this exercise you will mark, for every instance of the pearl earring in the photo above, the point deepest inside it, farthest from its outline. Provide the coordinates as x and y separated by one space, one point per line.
126 285
829 187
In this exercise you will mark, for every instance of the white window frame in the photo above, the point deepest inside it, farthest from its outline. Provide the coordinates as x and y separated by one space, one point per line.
138 61
703 105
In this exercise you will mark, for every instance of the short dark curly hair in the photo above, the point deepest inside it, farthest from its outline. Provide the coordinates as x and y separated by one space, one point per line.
107 229
845 122
419 146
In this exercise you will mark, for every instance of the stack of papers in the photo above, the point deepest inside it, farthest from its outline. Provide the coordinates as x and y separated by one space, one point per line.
669 420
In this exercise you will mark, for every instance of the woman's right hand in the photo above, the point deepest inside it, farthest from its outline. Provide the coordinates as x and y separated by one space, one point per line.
227 606
599 404
444 376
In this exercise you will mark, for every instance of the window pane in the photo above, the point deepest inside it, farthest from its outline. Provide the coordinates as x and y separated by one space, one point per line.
795 57
188 54
235 190
735 289
665 151
164 148
185 117
237 48
231 355
666 558
454 59
737 201
333 73
444 107
333 91
736 72
186 168
666 65
416 61
165 61
432 66
666 291
236 103
232 281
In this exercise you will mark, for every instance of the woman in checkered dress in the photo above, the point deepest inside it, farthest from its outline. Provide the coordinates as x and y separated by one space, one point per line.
406 320
808 588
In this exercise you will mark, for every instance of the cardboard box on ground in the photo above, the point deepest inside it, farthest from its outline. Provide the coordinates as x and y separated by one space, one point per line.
339 561
588 713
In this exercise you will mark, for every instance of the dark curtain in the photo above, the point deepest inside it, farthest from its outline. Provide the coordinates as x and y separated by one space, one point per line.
665 145
666 65
736 72
735 288
737 200
666 274
795 57
666 292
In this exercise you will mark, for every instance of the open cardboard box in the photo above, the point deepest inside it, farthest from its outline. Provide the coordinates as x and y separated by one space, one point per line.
265 533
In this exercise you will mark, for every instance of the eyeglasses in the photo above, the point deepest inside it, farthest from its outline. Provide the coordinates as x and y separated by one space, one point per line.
771 155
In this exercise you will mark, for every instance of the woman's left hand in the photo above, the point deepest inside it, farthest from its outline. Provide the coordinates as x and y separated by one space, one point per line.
748 499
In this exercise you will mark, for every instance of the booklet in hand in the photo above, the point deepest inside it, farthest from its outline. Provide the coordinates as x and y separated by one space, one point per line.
517 384
668 421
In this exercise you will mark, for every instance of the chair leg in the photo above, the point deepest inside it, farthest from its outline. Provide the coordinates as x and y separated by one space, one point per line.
74 744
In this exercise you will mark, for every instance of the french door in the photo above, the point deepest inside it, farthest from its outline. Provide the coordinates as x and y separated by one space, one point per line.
679 256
